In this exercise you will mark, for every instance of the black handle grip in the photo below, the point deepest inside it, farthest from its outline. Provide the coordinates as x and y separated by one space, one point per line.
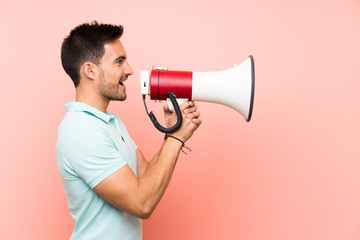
178 114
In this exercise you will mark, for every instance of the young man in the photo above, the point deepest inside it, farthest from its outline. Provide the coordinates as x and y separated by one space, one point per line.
108 184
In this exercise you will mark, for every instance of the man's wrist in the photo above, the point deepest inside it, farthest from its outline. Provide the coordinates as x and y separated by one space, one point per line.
167 136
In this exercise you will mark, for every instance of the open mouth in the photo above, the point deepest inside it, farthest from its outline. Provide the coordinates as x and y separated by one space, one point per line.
121 82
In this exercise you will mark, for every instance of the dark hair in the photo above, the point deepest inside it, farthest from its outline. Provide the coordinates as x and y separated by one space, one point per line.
86 43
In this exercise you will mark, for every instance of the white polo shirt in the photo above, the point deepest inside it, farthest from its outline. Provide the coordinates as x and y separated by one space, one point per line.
91 146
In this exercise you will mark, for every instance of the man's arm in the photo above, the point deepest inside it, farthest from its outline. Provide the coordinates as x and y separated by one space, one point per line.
143 164
139 197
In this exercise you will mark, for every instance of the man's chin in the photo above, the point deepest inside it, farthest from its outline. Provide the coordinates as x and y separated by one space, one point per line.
122 98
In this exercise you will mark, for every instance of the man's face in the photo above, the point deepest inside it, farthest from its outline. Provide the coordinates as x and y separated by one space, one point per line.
114 70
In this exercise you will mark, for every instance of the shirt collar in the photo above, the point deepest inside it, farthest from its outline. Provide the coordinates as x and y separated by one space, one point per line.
83 107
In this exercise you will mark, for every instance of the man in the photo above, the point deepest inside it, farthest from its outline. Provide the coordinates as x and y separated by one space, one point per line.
108 184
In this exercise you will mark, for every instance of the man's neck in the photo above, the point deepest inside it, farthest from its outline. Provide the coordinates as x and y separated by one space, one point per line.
92 99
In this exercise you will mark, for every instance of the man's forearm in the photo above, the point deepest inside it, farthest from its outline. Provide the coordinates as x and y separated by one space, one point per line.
158 174
153 161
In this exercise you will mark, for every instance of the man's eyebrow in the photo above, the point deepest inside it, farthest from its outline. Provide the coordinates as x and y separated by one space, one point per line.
119 58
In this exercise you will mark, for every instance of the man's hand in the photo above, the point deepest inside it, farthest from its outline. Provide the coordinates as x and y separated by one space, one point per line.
190 122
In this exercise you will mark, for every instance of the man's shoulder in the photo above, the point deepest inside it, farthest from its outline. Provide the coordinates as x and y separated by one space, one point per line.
77 127
79 120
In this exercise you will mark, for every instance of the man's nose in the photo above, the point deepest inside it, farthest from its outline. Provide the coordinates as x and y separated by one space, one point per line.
128 69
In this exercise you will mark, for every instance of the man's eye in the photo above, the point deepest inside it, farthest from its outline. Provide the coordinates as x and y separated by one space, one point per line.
120 62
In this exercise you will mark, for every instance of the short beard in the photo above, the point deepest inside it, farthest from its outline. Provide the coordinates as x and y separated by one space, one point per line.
114 97
110 92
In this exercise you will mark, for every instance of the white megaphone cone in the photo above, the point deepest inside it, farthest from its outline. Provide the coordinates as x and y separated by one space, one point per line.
233 87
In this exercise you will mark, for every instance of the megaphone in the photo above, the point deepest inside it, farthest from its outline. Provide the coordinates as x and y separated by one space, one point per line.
233 87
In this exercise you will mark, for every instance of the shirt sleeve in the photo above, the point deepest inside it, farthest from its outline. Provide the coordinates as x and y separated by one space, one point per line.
92 154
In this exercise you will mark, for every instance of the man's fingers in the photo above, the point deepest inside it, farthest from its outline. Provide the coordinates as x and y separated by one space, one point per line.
197 121
191 110
195 114
186 105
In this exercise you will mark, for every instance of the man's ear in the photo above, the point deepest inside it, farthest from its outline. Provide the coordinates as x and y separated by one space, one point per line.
89 70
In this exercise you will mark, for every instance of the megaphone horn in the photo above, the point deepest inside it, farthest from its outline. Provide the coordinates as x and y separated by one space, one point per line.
233 87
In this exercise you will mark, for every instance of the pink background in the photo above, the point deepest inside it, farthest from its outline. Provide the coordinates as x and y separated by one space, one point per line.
293 172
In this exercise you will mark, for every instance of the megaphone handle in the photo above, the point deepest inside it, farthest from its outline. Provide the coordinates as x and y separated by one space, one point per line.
178 100
178 114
